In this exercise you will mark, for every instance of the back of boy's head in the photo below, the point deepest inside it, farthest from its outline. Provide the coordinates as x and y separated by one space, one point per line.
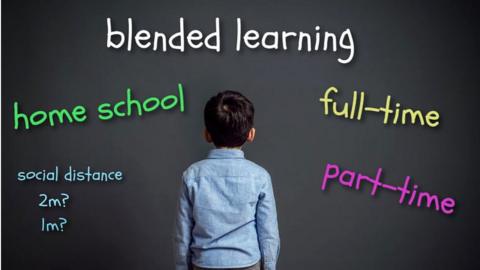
228 118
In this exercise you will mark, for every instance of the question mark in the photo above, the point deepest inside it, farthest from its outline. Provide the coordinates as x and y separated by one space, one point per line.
65 198
64 221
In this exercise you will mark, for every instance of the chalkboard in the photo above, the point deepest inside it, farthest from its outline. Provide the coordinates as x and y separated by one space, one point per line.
422 55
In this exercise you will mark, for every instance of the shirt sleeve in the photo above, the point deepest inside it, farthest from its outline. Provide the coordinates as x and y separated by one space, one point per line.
183 230
267 226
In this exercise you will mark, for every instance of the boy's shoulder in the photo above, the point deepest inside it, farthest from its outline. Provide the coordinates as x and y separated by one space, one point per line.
207 166
256 169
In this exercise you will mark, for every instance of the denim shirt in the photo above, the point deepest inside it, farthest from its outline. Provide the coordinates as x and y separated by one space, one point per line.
226 216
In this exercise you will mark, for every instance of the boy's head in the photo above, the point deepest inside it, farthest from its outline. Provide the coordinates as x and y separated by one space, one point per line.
229 119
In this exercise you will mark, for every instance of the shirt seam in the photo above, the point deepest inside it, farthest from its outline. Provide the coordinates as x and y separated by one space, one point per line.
229 266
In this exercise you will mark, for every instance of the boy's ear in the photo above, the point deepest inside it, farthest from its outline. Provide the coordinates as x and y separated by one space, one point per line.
251 135
207 136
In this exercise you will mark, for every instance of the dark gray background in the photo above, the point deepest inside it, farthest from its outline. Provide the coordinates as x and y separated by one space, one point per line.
424 55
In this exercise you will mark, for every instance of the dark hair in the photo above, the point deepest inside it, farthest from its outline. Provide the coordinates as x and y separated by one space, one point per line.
228 118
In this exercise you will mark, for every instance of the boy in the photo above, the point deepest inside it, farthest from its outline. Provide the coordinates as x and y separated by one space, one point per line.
226 217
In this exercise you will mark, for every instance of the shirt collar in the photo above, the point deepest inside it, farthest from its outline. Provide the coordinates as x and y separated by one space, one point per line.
225 153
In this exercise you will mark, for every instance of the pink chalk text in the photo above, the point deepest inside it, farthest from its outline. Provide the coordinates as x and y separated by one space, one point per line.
408 194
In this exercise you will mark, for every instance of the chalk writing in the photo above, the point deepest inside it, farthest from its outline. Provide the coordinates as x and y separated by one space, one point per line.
395 116
412 196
